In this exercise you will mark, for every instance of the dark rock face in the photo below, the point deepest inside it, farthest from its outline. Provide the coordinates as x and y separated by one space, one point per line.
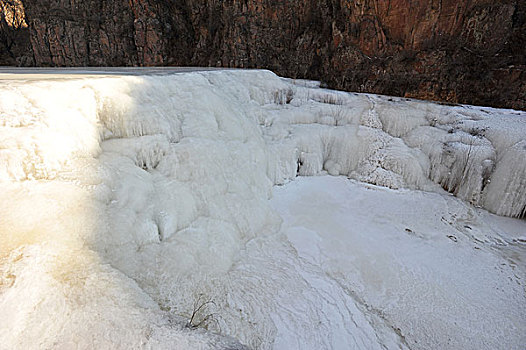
468 51
15 48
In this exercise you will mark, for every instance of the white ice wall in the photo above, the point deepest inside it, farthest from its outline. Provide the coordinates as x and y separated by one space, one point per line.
124 198
475 153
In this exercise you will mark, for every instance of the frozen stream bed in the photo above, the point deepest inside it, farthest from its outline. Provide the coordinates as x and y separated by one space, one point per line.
440 273
193 209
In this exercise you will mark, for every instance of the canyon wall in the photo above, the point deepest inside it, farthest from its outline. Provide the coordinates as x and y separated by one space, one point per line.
469 51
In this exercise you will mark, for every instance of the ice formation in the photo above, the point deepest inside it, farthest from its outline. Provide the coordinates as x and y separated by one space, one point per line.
128 198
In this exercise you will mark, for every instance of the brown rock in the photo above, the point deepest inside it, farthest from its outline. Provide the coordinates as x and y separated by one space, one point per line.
458 51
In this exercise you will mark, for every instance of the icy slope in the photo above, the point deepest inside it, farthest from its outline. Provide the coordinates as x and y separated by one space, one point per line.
128 200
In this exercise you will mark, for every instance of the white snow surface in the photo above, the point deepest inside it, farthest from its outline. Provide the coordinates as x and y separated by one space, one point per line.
130 197
443 274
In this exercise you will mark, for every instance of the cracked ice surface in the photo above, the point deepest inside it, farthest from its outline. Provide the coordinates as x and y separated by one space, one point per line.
127 196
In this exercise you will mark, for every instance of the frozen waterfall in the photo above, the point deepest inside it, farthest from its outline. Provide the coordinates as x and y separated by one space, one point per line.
130 198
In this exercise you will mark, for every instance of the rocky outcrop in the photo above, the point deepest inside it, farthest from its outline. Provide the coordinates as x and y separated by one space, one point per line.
470 51
15 48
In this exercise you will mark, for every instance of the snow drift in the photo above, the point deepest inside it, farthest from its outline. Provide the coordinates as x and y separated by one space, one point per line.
128 199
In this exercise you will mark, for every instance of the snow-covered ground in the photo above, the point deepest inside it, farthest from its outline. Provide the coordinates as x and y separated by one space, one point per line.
130 198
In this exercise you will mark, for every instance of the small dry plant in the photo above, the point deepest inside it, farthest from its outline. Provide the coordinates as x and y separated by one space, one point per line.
201 315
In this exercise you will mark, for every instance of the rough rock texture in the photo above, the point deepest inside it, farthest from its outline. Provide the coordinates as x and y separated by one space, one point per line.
468 51
15 48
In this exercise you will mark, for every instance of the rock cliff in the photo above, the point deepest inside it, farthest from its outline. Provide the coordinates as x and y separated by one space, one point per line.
469 51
